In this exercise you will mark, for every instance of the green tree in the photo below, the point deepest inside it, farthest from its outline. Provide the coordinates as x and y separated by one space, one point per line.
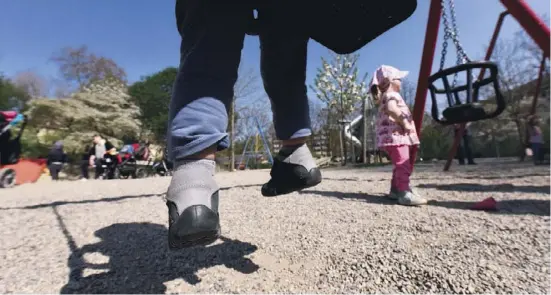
152 96
12 96
339 86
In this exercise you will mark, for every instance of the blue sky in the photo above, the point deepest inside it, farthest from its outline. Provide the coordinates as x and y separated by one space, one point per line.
141 36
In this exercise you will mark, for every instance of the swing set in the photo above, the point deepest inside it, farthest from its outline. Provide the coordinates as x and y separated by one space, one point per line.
340 27
469 109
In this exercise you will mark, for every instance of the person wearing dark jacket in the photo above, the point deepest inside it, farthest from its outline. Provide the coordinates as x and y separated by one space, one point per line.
56 159
464 149
84 162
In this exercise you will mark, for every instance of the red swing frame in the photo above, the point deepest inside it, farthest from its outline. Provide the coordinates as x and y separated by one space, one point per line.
519 9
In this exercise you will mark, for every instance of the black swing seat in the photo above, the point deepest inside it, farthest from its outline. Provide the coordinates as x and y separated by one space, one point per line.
345 26
471 109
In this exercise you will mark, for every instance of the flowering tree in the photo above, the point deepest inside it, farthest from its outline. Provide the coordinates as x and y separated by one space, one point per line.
337 85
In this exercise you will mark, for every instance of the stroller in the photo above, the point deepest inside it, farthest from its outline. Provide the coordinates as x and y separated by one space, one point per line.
129 156
10 147
164 166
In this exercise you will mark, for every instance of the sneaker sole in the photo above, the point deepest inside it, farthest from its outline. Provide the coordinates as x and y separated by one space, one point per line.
197 239
311 179
274 192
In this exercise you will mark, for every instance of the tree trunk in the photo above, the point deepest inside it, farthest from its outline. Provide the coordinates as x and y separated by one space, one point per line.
364 138
343 152
231 166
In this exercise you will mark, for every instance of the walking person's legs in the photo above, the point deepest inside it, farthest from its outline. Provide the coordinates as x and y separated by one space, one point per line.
212 34
461 153
468 151
541 154
536 150
402 167
84 169
98 170
283 68
54 170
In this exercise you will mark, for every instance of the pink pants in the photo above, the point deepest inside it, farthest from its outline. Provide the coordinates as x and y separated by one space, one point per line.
402 167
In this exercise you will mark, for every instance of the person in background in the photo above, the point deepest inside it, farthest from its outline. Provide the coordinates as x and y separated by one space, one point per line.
396 132
101 147
535 138
464 148
84 162
56 159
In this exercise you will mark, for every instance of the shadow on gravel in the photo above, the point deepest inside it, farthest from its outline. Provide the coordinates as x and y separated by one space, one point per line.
512 207
434 177
475 187
375 199
140 262
60 203
506 176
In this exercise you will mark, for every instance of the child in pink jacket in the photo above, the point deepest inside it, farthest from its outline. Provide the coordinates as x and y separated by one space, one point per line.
396 132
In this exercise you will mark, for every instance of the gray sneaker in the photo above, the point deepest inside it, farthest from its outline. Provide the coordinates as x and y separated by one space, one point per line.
409 198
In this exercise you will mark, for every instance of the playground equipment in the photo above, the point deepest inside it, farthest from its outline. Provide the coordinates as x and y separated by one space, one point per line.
13 170
470 110
340 25
355 125
354 132
459 112
254 148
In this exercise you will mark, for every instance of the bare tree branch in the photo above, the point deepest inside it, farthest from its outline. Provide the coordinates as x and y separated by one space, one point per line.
32 83
78 65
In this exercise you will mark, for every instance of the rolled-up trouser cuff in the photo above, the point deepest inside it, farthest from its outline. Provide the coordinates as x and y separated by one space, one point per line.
197 126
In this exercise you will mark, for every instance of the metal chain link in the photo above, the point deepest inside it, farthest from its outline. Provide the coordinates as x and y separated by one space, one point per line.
460 51
453 33
446 34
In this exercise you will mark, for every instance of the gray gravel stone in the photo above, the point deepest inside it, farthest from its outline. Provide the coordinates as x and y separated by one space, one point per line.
342 236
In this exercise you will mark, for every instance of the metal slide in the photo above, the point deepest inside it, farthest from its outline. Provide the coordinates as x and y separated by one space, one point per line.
351 131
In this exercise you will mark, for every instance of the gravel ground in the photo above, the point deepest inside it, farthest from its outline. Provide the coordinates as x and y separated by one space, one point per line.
341 236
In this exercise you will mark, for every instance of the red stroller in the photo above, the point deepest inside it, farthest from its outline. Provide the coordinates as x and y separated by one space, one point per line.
12 170
129 156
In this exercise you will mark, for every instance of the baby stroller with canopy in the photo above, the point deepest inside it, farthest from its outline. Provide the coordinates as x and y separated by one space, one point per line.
129 156
10 146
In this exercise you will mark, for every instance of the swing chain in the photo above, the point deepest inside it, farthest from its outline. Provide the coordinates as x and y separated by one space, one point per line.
462 55
453 33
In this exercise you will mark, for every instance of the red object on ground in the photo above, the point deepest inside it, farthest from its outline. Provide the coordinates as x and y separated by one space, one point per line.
488 204
27 170
9 115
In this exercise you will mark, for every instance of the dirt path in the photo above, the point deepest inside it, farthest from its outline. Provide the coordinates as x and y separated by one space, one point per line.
341 236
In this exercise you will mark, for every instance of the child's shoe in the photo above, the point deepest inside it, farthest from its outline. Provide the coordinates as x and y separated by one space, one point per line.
408 198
